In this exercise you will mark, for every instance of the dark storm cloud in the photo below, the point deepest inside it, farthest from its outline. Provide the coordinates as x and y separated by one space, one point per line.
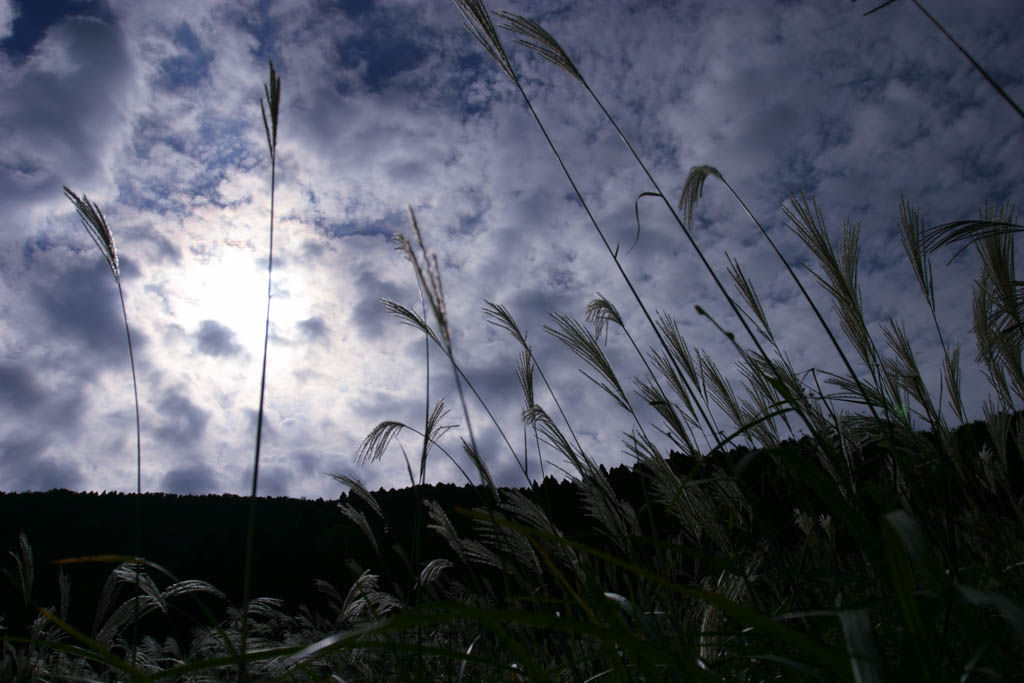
194 478
214 339
180 422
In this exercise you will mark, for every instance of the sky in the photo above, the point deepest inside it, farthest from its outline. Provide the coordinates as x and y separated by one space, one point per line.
151 109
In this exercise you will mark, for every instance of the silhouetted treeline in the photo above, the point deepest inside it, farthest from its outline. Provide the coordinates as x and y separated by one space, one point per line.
203 537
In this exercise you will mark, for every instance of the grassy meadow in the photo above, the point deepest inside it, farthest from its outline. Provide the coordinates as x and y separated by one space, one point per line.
899 557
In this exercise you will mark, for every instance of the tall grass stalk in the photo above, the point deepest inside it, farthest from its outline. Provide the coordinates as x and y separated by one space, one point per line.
272 90
96 225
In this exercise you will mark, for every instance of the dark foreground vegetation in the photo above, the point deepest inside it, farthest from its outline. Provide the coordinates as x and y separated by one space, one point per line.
868 550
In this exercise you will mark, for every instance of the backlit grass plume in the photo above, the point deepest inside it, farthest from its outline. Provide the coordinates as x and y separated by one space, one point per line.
273 93
96 225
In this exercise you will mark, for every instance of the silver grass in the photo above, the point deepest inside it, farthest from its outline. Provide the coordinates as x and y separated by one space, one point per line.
674 379
481 467
443 526
432 570
912 237
908 373
693 188
528 512
500 316
476 552
763 395
524 373
617 517
428 276
359 519
64 591
355 486
652 394
535 415
334 598
540 41
951 371
679 349
719 388
376 442
273 93
582 343
838 273
96 225
601 312
411 318
511 543
749 295
477 21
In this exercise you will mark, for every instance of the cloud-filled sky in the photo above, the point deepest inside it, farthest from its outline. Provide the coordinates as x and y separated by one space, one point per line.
152 110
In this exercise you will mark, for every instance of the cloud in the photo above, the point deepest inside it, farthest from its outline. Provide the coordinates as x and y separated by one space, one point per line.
369 315
69 113
18 388
26 467
81 306
180 422
8 13
214 339
194 478
314 329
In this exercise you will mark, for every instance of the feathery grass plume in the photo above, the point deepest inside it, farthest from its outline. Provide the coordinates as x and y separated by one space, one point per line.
907 372
749 294
273 93
914 238
95 224
678 424
585 345
524 373
411 318
839 272
356 487
601 313
26 569
359 519
500 316
999 309
477 21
